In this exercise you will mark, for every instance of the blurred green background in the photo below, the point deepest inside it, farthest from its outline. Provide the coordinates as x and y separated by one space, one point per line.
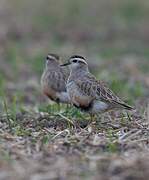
113 35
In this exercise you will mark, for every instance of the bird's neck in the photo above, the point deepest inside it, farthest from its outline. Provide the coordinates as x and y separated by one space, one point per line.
78 72
53 66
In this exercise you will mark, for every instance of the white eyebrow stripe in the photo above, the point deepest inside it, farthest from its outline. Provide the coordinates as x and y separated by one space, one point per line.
79 59
51 57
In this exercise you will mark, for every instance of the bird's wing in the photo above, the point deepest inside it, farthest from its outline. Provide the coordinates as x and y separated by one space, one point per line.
57 81
66 72
87 85
91 87
108 95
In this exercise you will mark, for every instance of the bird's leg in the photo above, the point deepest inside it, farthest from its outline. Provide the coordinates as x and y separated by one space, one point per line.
58 106
68 106
91 122
91 117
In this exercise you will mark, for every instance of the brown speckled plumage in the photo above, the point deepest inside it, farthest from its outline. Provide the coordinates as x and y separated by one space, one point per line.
53 80
88 93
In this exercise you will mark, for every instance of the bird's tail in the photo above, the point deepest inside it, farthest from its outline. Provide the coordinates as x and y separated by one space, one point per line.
127 107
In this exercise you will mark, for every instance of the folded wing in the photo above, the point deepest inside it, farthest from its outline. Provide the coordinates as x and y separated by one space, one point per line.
95 90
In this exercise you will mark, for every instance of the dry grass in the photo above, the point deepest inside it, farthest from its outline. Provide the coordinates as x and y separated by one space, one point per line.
46 146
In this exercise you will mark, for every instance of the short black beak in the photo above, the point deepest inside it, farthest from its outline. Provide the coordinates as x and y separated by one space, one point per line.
66 64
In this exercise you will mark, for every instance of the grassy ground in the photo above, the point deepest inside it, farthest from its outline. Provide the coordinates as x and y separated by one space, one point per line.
37 141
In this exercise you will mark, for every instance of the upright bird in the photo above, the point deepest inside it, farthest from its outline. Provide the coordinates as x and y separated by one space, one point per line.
88 93
53 80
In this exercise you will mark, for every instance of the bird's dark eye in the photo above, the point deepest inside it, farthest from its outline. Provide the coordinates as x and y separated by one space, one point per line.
75 61
47 58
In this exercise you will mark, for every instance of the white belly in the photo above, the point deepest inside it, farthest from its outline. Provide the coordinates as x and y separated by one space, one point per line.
63 97
98 107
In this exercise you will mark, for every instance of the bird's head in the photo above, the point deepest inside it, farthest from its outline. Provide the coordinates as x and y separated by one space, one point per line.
76 62
52 59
